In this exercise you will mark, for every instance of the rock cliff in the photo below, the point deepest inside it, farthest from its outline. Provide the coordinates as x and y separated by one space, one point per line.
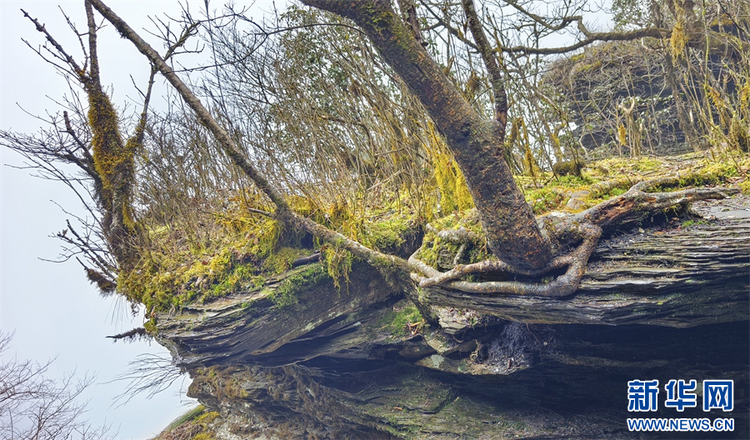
668 301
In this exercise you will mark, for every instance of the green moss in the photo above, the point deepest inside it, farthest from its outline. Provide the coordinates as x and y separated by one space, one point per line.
696 171
586 67
545 199
245 252
281 260
642 164
645 164
388 234
573 181
150 326
168 277
287 293
337 263
399 321
689 223
441 253
196 422
187 417
207 417
451 183
577 57
110 156
115 166
234 279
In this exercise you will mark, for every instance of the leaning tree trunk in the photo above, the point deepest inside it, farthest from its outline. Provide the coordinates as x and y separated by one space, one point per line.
476 143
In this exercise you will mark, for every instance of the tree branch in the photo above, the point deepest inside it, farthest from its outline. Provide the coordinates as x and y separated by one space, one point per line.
452 30
490 63
93 54
591 37
475 142
77 70
221 135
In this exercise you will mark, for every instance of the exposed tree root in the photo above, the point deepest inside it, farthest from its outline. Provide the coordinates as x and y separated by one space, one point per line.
458 236
563 285
306 260
584 228
636 203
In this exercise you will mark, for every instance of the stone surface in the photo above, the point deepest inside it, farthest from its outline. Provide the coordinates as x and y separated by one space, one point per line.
681 276
664 302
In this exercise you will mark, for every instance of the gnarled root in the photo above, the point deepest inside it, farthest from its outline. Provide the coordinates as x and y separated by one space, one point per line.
564 285
586 226
458 236
634 203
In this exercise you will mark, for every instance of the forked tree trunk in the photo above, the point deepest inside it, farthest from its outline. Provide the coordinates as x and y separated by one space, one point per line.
476 143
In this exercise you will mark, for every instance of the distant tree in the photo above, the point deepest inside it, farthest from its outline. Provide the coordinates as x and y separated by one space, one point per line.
35 407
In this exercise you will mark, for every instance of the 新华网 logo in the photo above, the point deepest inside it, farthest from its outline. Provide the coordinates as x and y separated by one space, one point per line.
643 395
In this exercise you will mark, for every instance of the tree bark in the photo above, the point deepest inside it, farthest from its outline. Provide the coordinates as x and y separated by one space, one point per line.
476 143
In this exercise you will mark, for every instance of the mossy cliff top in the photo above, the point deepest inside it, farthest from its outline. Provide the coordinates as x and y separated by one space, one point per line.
346 354
236 250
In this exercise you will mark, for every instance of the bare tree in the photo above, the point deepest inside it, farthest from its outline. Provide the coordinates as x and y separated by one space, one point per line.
33 406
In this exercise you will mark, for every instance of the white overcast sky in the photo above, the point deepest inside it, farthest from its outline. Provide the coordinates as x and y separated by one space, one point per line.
53 310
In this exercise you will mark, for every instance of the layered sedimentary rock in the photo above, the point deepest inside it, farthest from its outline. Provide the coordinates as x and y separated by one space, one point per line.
669 301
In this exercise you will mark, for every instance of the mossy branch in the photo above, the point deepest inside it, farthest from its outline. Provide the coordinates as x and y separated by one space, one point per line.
204 116
284 212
